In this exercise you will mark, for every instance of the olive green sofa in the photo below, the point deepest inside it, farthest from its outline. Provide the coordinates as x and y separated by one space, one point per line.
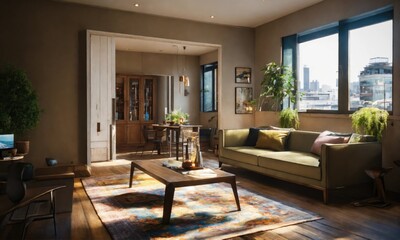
338 166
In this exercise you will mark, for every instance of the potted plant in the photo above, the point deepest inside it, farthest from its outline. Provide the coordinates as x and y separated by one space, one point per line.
289 118
18 103
277 84
370 121
177 117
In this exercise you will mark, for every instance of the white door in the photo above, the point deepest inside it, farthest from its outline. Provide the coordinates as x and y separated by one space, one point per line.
100 95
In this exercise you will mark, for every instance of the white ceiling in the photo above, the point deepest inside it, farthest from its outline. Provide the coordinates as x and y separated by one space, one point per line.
242 13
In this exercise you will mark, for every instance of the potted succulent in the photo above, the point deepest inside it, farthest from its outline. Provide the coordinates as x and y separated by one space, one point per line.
289 118
177 117
18 103
370 121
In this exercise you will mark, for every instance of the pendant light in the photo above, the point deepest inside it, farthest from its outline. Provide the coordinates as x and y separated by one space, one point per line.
184 78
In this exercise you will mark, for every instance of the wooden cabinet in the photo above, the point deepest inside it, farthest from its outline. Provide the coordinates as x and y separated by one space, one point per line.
135 106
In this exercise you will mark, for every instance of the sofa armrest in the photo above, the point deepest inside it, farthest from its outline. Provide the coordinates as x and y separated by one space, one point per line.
345 164
232 137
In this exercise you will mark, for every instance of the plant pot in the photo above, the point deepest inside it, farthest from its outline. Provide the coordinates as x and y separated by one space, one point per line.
22 147
13 152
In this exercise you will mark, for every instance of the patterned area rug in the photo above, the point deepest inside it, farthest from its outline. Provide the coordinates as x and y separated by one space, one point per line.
201 212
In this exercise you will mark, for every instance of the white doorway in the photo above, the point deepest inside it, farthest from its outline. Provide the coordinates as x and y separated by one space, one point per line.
101 51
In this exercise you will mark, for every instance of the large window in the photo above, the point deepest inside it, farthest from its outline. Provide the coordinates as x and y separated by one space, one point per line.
209 87
318 80
370 68
344 66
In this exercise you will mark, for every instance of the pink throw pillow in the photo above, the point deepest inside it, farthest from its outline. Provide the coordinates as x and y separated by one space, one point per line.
324 138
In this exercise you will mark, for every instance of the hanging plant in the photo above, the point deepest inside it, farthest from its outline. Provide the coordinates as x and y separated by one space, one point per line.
289 118
370 121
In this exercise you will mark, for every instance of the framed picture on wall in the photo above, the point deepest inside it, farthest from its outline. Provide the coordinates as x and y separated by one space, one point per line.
243 97
242 75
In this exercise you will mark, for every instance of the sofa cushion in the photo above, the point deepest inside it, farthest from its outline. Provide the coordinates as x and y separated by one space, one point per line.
252 137
243 154
297 163
323 138
278 128
272 139
355 138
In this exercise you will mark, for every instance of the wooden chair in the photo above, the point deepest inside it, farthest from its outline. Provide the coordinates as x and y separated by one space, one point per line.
18 197
154 137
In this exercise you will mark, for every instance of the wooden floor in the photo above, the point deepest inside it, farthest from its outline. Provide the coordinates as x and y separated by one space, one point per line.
340 220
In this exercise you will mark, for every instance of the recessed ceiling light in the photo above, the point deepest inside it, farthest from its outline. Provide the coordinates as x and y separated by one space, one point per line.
212 16
136 4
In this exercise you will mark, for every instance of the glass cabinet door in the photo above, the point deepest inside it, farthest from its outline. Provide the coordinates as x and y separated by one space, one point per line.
133 99
120 106
148 100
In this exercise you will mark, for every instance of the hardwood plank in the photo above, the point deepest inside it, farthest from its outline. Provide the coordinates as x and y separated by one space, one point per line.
340 219
96 229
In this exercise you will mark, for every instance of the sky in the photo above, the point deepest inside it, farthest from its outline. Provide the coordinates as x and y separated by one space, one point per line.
321 55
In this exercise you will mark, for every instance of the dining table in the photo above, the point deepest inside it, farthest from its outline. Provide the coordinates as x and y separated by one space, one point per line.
178 131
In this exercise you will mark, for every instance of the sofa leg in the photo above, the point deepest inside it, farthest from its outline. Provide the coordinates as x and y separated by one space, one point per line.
325 193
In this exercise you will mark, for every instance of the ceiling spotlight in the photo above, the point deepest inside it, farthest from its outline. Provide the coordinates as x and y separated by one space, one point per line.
136 4
212 16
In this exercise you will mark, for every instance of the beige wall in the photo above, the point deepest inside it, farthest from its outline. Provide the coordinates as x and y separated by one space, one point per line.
48 40
166 65
268 48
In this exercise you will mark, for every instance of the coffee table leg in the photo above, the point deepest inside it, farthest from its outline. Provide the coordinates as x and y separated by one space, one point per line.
168 200
234 189
131 176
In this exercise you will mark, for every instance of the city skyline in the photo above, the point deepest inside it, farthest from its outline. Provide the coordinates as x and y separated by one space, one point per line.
326 48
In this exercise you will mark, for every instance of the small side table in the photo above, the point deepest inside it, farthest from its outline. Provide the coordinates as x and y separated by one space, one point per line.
377 174
379 186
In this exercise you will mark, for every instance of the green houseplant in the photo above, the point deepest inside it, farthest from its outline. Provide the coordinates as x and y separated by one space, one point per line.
177 116
370 121
289 118
18 102
277 84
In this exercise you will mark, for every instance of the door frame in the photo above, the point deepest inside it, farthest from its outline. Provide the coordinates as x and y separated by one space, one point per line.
112 137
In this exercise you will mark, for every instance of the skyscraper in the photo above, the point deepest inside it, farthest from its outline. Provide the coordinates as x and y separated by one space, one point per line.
306 79
376 83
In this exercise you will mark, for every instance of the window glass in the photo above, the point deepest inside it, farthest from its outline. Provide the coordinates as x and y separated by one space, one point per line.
370 66
209 88
344 65
318 73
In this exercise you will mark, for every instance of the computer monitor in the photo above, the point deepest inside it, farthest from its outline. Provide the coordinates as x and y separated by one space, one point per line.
6 141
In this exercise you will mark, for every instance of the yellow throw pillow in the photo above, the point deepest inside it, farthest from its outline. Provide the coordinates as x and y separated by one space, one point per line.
272 139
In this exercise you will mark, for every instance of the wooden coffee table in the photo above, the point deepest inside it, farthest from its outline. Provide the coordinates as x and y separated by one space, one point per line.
174 179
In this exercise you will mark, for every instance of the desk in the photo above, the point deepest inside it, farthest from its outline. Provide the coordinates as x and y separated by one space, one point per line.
4 163
178 129
15 158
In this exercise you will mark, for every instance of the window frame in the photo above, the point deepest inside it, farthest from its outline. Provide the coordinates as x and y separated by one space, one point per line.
342 28
213 67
